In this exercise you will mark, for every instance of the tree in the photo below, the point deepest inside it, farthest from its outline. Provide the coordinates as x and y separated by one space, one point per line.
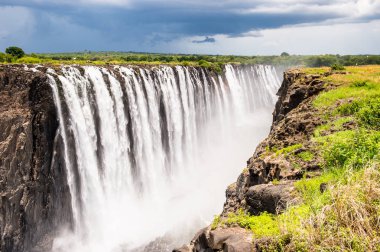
15 51
284 54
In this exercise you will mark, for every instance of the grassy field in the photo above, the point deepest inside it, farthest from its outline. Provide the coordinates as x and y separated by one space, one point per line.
346 216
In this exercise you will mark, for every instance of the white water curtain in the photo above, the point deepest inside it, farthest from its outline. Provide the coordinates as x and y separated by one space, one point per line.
150 151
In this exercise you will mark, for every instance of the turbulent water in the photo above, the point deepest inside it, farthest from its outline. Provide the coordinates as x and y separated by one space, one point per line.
149 151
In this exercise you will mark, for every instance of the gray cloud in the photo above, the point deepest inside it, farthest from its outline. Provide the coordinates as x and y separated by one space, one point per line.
206 40
141 24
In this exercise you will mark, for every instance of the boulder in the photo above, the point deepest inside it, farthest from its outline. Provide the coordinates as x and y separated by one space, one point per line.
271 198
234 239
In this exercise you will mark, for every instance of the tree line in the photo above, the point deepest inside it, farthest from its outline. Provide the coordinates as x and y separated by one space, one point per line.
15 54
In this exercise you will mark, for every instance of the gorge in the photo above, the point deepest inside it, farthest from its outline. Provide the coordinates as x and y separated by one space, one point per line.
123 158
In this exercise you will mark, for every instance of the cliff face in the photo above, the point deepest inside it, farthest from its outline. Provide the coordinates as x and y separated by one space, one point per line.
267 184
30 183
294 120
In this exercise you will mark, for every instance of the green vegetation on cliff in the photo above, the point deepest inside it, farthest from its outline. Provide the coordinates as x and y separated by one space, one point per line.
340 204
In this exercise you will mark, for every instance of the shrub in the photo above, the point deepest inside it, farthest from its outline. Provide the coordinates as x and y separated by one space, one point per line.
369 114
15 51
306 156
337 67
367 111
215 223
29 60
350 108
2 57
9 58
204 63
350 148
359 83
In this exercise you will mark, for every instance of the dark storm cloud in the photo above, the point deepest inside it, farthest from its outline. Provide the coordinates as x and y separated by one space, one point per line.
173 23
137 25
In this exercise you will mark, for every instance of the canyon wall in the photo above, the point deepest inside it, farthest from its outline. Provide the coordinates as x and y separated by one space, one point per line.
32 187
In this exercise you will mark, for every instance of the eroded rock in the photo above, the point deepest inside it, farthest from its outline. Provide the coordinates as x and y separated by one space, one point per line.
271 198
32 187
233 239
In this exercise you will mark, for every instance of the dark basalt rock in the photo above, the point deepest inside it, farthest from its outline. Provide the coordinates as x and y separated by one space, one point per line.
32 187
271 198
296 88
234 239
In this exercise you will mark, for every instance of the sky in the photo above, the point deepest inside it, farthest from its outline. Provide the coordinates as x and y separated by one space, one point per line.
238 27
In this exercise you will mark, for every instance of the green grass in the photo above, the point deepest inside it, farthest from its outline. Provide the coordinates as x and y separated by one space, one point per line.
313 70
275 181
289 149
360 84
335 125
310 189
261 226
366 111
215 223
306 156
349 147
344 93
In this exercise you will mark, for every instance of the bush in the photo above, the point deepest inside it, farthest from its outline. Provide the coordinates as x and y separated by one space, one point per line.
9 58
29 60
203 63
369 114
15 51
306 156
337 67
350 148
2 57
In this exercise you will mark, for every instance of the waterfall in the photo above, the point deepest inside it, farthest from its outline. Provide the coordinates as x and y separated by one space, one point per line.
149 151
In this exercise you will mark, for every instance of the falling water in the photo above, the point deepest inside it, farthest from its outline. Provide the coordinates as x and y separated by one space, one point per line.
149 151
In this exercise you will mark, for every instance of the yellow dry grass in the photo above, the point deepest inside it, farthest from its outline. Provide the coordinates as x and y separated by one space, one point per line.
352 221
